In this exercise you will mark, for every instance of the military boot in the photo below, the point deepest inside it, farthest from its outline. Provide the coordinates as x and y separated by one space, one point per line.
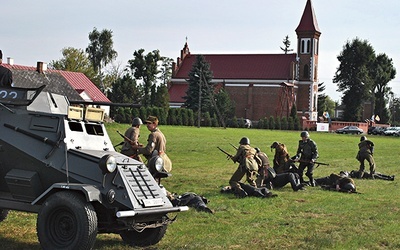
312 182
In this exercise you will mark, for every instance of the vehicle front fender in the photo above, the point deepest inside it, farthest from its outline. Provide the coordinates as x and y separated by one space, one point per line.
92 193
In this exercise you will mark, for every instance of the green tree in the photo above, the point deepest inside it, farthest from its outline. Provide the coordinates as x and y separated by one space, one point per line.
353 77
325 103
382 73
125 90
74 60
100 51
145 69
286 45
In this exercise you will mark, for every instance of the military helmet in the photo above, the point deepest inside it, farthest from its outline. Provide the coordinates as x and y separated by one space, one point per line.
304 134
136 121
344 174
363 138
274 144
257 150
244 141
349 187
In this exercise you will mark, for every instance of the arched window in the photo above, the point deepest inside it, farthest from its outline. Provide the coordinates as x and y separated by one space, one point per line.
306 71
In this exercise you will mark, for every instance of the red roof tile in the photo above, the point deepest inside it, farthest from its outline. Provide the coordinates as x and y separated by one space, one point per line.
77 80
177 92
243 66
308 21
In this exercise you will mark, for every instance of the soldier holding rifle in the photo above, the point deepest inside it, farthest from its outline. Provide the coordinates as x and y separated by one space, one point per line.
131 138
247 166
307 154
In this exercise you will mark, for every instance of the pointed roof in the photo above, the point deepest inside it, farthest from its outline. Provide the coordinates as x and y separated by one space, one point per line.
308 21
61 82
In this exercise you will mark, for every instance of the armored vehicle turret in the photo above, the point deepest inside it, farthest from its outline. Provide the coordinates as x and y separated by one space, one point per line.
58 161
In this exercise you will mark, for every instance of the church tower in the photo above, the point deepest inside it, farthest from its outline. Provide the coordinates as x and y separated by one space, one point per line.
308 34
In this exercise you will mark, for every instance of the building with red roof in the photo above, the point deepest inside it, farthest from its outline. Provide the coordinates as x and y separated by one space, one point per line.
75 85
262 85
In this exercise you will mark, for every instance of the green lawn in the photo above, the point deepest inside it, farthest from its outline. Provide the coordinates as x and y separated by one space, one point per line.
311 219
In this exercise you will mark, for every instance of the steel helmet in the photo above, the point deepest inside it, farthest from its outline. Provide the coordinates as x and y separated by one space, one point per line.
244 141
304 134
349 187
274 144
257 150
363 138
136 121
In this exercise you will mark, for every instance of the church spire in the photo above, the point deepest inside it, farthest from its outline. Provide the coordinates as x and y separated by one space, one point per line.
308 22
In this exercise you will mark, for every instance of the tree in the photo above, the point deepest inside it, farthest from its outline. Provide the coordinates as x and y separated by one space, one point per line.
325 103
197 93
100 50
353 77
382 72
286 45
201 94
74 60
145 69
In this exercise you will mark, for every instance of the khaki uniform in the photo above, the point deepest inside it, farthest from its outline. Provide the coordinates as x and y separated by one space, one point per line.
365 152
263 165
281 159
133 134
247 166
156 144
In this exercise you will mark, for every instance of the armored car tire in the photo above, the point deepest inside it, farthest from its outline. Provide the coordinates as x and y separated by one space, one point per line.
3 214
147 237
67 221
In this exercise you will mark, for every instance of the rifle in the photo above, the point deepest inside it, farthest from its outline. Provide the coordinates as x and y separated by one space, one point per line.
315 162
125 138
228 155
233 146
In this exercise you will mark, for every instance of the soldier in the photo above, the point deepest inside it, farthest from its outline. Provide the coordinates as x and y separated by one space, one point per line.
307 154
5 74
338 182
366 152
132 135
247 166
376 175
156 143
282 162
263 166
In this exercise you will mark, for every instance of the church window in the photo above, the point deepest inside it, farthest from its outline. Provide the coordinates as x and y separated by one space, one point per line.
305 45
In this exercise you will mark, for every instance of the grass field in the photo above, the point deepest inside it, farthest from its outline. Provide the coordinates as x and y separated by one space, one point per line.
311 219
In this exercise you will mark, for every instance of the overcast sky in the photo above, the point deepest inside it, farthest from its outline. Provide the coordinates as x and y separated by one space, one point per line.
34 31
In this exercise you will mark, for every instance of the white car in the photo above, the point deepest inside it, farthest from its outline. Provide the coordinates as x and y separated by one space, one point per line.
392 131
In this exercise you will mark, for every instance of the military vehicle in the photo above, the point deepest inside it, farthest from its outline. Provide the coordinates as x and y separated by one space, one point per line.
57 160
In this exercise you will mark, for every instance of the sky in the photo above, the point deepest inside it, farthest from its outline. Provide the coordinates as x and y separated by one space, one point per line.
33 31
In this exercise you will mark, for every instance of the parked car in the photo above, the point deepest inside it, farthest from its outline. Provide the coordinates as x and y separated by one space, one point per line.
378 130
370 129
349 130
391 131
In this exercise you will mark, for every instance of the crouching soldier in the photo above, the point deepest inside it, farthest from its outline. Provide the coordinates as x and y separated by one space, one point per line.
247 166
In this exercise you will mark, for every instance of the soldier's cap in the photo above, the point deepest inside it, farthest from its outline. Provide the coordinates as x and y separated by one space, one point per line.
152 119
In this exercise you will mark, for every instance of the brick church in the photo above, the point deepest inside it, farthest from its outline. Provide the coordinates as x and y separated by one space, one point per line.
262 85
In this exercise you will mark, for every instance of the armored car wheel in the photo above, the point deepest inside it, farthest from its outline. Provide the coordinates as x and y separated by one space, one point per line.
147 237
3 214
67 221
